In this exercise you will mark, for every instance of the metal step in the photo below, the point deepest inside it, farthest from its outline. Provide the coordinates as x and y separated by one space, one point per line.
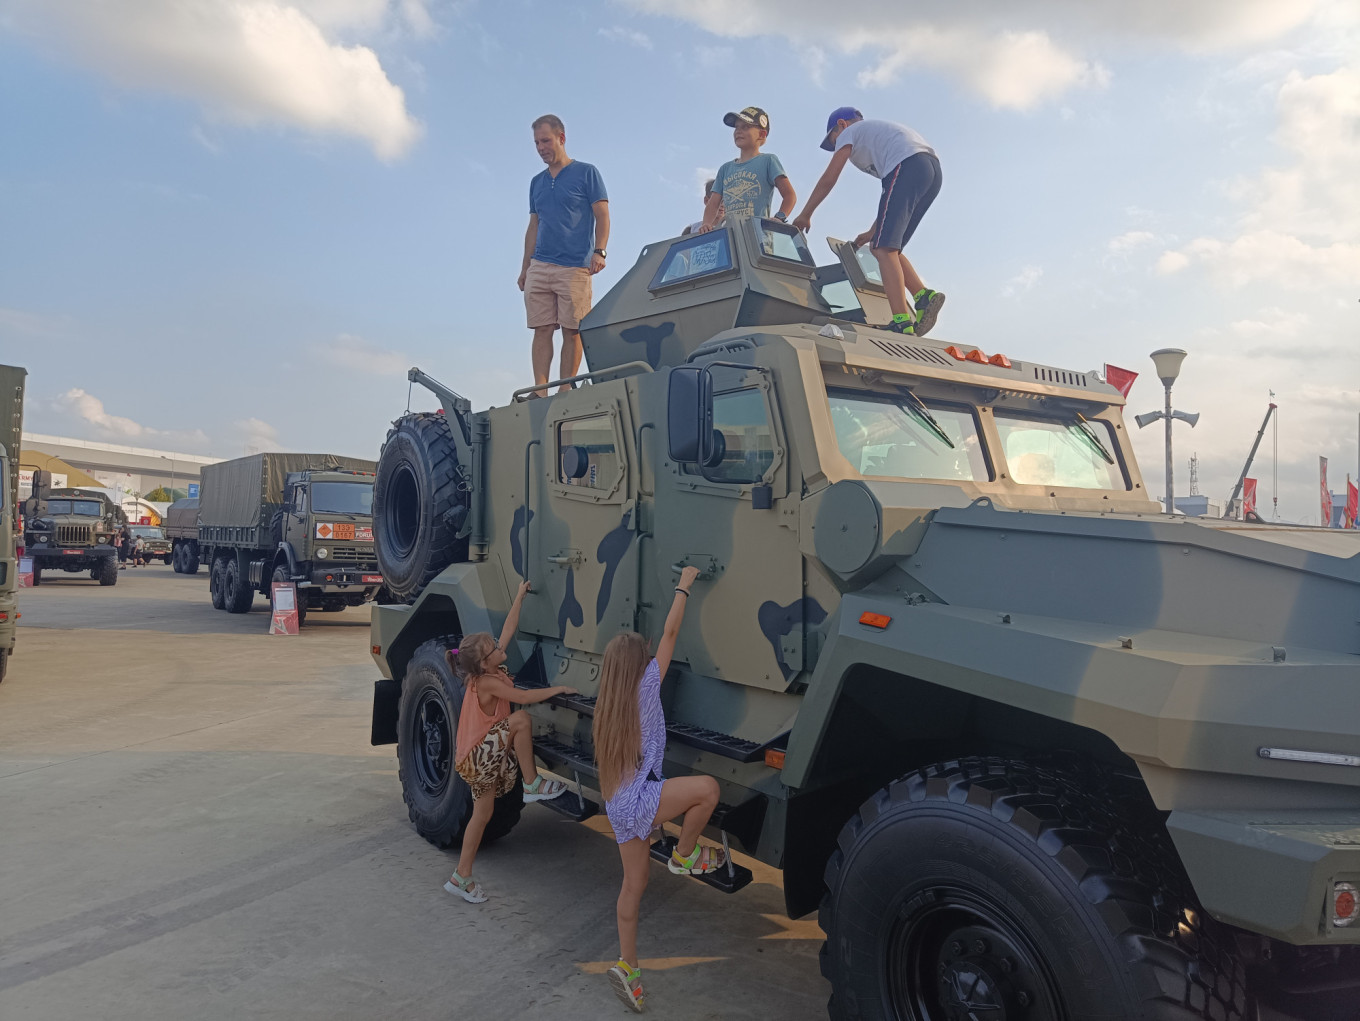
712 741
570 762
729 879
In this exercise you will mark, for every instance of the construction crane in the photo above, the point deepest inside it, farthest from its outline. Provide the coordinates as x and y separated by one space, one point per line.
1241 479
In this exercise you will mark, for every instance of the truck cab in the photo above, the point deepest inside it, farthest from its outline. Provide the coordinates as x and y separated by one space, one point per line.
327 529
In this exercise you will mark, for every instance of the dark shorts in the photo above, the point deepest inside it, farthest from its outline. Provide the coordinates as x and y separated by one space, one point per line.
907 193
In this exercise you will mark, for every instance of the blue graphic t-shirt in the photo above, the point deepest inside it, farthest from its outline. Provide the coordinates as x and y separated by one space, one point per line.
566 221
747 187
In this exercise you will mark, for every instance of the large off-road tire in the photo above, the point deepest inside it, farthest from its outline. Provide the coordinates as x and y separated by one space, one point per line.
5 654
217 583
420 501
236 590
987 888
281 575
191 560
177 559
108 571
437 799
37 574
94 574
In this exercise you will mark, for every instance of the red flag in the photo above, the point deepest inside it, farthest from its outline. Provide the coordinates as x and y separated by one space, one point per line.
1248 497
1326 494
1352 505
1120 379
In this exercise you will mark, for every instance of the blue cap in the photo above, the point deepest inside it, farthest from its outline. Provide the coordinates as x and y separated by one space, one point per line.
843 113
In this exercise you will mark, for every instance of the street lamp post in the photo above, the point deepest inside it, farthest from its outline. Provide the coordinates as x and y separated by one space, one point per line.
1168 364
171 459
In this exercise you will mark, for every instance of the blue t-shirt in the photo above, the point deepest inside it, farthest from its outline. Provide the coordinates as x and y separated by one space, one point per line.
746 188
566 222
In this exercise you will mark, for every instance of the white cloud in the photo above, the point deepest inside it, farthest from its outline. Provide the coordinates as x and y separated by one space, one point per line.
631 37
247 61
1130 240
1172 262
356 353
256 435
90 409
1022 281
1015 54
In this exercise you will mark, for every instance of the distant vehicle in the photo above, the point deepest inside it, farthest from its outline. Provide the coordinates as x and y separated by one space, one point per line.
155 545
71 530
181 528
1036 750
11 428
304 518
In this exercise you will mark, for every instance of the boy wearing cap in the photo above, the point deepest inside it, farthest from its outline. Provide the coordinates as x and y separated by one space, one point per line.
744 186
910 172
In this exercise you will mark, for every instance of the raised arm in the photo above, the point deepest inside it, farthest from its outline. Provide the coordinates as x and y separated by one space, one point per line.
823 187
665 648
530 240
512 617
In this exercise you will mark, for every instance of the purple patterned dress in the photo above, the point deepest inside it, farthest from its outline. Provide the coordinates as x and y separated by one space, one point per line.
633 808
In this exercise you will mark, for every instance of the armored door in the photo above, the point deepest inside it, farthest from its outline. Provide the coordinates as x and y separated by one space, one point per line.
584 544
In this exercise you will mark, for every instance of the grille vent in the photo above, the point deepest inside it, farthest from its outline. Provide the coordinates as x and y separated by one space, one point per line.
1059 376
915 354
352 553
74 535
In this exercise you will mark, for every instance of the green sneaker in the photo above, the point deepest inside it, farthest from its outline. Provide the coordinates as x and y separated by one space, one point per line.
928 305
906 326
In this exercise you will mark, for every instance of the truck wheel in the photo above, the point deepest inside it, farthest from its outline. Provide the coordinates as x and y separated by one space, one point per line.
236 590
437 799
992 888
281 575
418 504
94 574
217 579
191 561
5 654
37 574
108 571
177 560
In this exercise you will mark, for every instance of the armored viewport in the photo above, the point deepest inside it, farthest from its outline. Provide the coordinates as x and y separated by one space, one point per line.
750 272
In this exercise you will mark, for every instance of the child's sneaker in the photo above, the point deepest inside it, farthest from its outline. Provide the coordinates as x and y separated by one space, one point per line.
627 985
700 862
468 888
928 305
906 326
543 790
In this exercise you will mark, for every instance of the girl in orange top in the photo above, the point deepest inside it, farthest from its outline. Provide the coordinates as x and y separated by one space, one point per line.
491 738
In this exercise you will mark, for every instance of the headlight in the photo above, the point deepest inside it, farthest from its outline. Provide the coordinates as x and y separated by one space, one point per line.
322 553
103 539
41 537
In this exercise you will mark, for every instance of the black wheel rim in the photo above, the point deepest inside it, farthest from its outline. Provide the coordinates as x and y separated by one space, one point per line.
432 742
403 510
956 956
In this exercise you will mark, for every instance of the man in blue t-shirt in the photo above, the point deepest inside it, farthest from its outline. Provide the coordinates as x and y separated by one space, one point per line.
563 247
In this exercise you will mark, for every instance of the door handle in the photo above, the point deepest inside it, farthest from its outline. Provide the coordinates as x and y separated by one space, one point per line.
708 566
571 556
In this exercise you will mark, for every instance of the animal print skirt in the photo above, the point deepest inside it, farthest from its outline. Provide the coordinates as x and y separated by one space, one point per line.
490 768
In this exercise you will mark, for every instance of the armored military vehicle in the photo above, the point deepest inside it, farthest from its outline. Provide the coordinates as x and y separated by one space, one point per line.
11 429
305 518
181 528
71 530
1036 749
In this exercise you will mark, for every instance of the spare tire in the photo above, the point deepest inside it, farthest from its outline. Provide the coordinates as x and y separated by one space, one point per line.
420 501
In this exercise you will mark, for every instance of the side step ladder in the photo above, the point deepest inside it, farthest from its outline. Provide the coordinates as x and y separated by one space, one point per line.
563 758
729 879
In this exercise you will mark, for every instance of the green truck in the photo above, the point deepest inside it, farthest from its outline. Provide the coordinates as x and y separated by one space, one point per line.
11 430
304 518
181 528
1034 749
71 530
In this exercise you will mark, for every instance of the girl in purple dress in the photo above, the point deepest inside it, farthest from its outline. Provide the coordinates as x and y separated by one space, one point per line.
630 740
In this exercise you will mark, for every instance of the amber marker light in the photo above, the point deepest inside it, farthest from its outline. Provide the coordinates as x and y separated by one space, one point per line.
1343 904
878 620
774 758
375 649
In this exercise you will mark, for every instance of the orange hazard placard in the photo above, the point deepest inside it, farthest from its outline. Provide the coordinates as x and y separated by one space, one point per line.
335 530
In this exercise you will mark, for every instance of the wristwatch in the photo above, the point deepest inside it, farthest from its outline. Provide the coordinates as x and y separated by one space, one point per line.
781 217
601 253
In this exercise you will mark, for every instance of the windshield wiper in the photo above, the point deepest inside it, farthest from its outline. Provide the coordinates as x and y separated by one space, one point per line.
917 408
1092 438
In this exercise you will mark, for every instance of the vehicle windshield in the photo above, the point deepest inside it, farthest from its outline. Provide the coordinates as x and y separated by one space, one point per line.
342 498
148 531
886 436
80 508
1059 451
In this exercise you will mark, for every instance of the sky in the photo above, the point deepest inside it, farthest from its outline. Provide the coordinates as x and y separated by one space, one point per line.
232 225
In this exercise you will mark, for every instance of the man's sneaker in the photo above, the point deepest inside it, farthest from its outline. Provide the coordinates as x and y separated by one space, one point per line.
928 305
906 326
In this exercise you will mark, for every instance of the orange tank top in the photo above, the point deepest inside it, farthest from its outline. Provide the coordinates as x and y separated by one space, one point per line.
473 721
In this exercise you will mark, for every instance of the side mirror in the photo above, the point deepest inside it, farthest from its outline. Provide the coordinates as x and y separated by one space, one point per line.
42 484
689 415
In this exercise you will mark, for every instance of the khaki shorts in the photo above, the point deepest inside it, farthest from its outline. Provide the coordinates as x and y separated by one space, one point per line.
556 295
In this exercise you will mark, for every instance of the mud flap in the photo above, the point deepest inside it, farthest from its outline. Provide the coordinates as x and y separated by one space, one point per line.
386 693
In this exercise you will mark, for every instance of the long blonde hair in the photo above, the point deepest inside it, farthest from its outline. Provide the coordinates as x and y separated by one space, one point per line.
469 659
618 720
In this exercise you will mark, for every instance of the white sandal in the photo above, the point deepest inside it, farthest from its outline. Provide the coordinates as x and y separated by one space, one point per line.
468 889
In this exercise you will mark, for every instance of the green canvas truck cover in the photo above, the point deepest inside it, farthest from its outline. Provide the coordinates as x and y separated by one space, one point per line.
12 419
181 518
245 492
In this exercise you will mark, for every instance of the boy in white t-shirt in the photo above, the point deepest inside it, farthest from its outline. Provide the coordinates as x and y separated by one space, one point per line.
910 172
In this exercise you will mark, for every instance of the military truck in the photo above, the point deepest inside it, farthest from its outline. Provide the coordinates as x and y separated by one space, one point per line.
155 543
71 530
11 430
304 518
1034 749
181 528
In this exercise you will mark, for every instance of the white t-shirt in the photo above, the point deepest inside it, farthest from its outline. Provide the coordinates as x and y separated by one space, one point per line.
878 146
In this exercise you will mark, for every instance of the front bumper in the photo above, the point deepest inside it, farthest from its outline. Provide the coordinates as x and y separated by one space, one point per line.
344 579
1273 872
59 556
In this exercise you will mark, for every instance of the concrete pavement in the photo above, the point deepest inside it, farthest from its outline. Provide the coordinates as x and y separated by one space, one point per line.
193 824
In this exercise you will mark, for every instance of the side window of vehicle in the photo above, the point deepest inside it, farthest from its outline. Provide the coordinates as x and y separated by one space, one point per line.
299 500
742 418
586 455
